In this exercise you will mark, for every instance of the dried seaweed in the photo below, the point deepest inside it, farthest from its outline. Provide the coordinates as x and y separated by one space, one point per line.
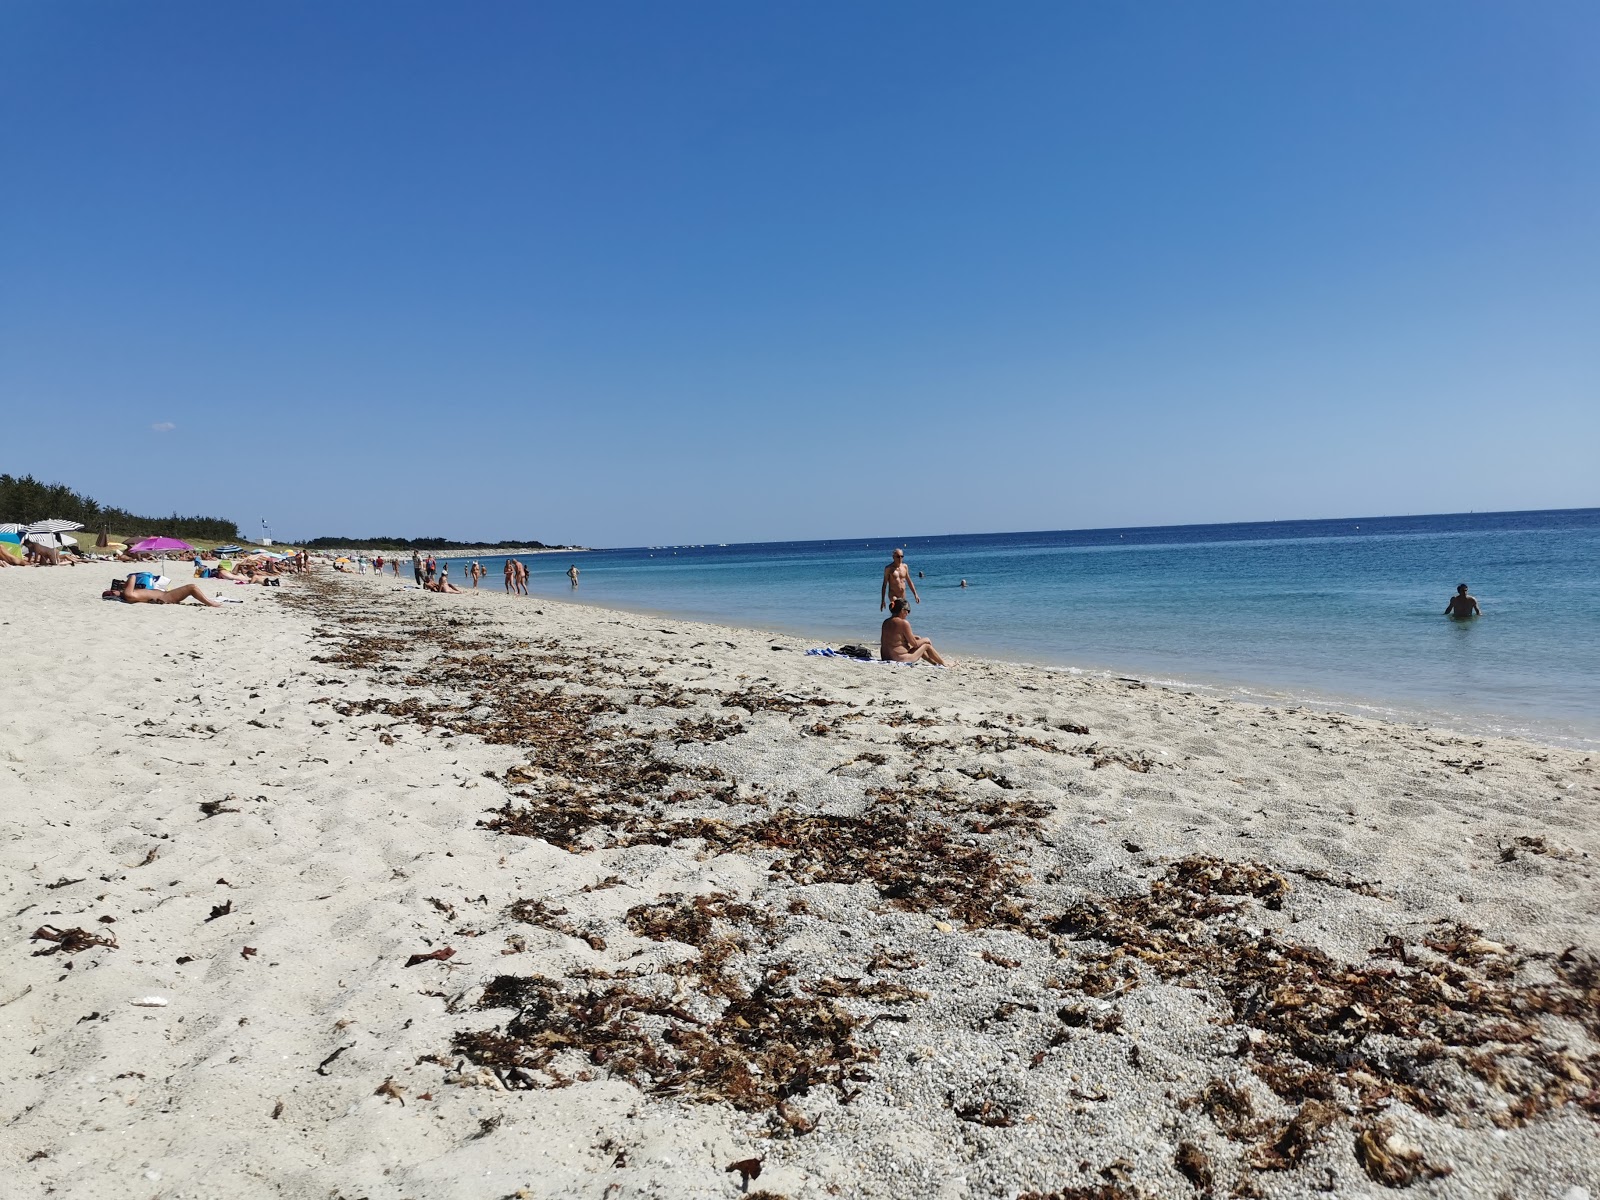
914 864
986 1112
68 941
1320 1028
1390 1160
1193 1164
439 955
537 912
1292 1141
766 1045
1097 1191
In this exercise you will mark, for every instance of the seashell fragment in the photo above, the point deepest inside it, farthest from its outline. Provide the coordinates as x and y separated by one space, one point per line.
149 1002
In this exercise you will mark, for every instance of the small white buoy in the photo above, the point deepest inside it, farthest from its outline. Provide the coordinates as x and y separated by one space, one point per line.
149 1002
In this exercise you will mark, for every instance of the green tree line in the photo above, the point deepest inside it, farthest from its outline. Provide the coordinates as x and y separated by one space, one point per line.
26 500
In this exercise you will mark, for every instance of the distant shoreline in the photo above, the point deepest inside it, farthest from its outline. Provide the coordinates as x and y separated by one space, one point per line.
479 552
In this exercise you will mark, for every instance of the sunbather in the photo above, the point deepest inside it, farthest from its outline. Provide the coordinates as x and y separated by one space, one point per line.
899 644
139 588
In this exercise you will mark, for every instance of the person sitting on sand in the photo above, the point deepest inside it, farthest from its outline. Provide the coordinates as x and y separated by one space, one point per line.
899 644
442 584
139 588
1462 605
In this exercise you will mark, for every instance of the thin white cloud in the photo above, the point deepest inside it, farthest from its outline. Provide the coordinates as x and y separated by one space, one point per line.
163 427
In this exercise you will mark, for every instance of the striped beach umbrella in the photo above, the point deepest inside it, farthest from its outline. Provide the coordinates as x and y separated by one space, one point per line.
53 526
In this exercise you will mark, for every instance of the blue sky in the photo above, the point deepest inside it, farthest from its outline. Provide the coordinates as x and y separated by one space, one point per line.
640 273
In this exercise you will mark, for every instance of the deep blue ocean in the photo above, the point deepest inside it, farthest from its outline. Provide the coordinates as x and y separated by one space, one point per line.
1340 612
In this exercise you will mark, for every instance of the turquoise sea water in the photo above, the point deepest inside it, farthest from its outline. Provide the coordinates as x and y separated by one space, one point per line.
1345 612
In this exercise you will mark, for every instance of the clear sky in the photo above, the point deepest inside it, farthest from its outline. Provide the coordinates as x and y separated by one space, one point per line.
710 272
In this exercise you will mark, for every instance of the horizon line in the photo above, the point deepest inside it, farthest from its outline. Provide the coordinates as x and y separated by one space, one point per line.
889 538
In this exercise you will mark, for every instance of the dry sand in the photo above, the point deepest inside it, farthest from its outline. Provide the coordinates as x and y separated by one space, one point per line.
945 944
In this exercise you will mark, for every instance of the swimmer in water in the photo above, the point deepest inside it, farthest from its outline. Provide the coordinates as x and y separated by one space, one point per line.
1462 605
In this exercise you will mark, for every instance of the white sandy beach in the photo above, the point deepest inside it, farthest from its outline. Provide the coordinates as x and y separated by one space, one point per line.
988 931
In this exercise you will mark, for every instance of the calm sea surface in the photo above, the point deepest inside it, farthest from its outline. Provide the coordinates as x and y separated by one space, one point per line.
1342 612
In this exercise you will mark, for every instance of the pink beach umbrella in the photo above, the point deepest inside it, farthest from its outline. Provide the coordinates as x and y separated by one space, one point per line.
160 545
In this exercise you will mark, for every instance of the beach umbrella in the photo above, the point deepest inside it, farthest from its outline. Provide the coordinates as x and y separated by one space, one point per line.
53 526
10 527
11 537
160 545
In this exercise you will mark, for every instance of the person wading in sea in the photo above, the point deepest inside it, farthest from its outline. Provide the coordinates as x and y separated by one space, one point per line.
896 579
1462 605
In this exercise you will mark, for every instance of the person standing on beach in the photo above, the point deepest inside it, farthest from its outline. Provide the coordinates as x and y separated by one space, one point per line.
522 577
416 565
896 579
1462 605
510 575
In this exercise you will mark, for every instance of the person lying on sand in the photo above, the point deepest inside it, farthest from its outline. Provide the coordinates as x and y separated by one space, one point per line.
137 589
443 585
223 571
899 644
1462 605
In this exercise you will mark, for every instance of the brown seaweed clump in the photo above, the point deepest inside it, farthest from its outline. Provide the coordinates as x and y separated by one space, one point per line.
768 1044
68 941
914 864
1407 1029
1390 1160
1097 1191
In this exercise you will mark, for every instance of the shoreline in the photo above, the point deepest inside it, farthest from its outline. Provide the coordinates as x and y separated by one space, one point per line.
1549 731
450 898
